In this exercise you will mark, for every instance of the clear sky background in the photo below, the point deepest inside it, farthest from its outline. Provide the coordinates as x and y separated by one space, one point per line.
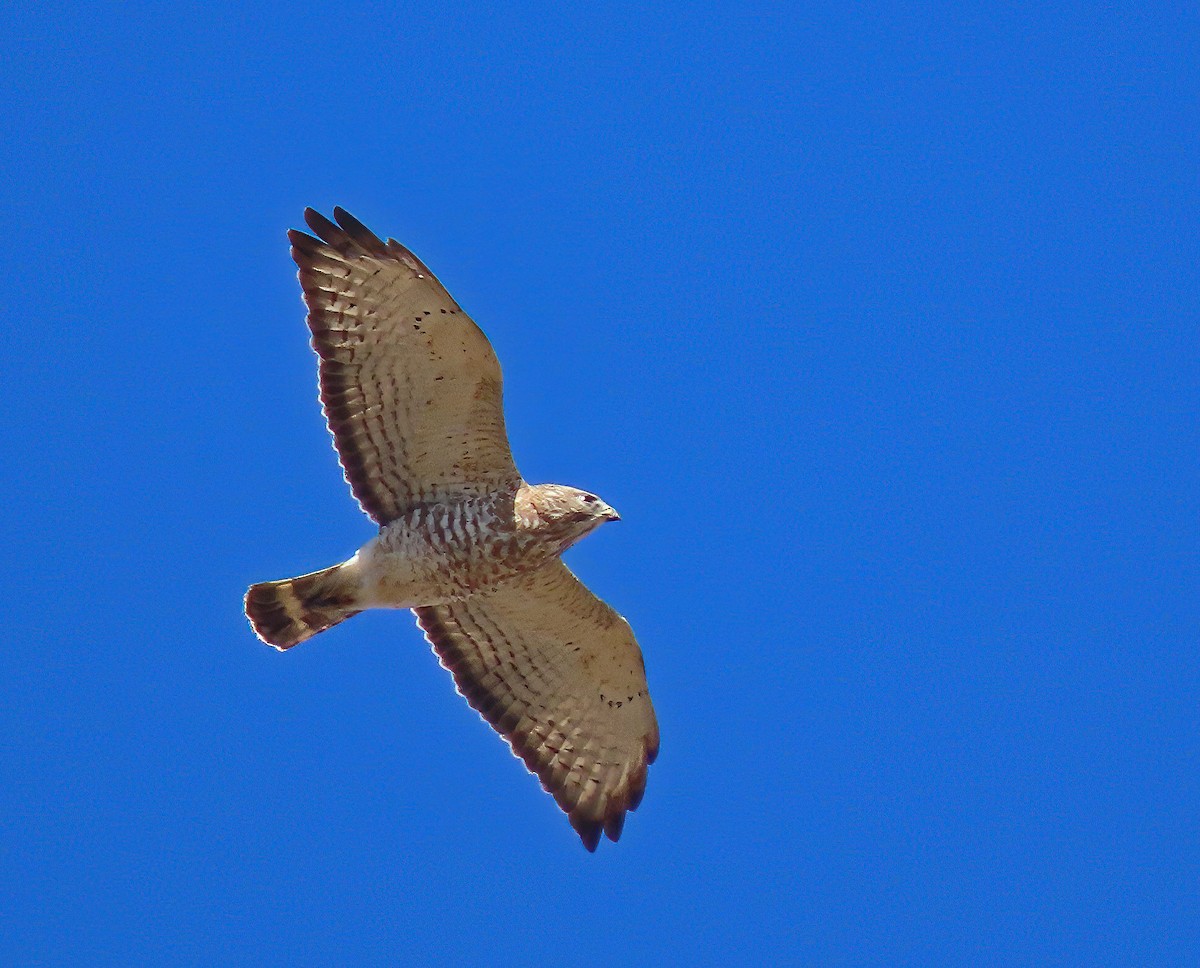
877 322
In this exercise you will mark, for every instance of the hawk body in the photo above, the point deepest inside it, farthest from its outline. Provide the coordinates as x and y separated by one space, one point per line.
438 553
411 391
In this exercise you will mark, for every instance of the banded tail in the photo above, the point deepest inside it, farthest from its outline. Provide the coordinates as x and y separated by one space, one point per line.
285 613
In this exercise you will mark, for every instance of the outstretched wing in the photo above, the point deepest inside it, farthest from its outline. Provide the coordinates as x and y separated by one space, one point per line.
560 676
410 386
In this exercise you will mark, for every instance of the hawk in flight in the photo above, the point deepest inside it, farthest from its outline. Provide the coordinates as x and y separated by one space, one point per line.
411 391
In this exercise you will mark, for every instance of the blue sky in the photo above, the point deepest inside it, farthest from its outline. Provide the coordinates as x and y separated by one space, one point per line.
877 324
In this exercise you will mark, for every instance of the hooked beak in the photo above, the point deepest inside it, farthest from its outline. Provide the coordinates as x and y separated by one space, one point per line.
611 515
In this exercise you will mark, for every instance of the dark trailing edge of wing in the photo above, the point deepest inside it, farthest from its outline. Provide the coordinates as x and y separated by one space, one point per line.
348 238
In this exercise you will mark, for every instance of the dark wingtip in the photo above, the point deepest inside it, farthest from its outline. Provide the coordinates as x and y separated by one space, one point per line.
348 221
359 233
613 825
303 242
324 228
589 832
348 237
635 796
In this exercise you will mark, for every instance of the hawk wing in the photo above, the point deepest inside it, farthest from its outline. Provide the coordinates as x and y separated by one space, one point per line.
410 386
560 676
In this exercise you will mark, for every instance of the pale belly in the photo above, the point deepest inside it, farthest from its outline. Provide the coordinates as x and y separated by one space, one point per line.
438 554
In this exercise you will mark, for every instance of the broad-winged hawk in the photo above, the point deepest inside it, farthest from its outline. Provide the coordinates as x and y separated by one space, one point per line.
411 391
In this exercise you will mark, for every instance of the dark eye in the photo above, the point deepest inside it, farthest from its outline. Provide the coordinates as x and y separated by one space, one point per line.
589 499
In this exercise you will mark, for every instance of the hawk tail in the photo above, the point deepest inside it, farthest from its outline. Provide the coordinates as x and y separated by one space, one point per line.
285 613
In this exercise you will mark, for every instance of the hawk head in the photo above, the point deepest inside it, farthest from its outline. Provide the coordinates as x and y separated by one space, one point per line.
568 512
